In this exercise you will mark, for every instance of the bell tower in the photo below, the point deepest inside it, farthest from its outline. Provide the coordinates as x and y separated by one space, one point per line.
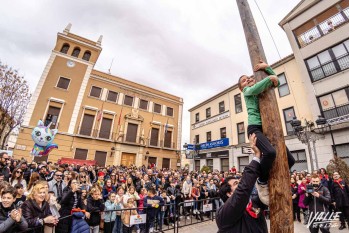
58 96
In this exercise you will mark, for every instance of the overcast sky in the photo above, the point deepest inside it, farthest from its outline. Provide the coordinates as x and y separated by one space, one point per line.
190 48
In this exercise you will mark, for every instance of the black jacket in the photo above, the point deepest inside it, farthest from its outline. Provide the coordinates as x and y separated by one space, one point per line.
294 190
319 204
67 203
340 194
233 216
32 212
95 208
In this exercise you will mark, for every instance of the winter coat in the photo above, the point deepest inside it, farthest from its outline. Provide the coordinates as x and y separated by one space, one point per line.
301 194
94 207
67 203
152 211
32 212
105 192
294 190
110 211
126 215
234 216
318 204
7 224
340 194
186 189
79 225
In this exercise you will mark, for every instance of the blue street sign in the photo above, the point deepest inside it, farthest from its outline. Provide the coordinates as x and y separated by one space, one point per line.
209 145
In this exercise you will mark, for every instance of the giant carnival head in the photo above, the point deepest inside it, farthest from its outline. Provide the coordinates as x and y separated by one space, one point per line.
42 135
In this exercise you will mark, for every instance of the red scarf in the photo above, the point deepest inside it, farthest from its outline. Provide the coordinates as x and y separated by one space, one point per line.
109 189
339 182
250 210
323 176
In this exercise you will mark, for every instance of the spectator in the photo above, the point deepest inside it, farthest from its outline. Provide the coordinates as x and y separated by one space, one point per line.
95 206
56 185
84 180
2 177
318 201
26 171
340 198
301 193
34 178
20 197
71 199
11 219
126 215
295 200
110 214
119 201
17 178
43 172
108 188
36 209
187 190
4 169
153 203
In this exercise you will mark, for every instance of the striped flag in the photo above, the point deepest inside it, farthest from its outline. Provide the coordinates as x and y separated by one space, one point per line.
166 126
99 115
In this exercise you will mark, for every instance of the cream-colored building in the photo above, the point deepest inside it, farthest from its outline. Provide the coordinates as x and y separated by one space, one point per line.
291 97
318 32
100 116
314 81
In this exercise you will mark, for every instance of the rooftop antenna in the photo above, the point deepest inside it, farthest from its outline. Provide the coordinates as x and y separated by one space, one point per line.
110 66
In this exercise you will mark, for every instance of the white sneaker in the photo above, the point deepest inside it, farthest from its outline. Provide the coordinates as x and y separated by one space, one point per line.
263 193
139 230
188 218
151 230
194 212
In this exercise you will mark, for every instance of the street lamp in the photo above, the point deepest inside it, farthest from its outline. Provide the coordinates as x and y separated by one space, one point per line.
323 123
306 134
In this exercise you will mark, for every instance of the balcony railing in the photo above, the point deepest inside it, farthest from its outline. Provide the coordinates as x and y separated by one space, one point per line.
323 28
101 134
338 111
162 144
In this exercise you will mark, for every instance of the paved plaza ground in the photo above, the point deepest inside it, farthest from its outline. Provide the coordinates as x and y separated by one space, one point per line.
210 227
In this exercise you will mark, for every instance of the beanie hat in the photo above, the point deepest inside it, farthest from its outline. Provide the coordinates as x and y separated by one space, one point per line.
101 174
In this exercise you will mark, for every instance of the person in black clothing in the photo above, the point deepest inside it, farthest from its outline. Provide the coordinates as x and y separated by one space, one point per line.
295 200
340 198
20 198
95 206
71 198
318 202
242 212
3 165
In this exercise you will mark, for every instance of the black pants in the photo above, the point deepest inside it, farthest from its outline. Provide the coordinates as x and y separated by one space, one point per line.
315 229
268 152
296 212
344 215
108 227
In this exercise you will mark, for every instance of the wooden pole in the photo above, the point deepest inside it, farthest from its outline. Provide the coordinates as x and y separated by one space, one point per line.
281 219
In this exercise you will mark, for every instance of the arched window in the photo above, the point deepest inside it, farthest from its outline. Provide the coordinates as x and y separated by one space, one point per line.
87 56
76 52
65 48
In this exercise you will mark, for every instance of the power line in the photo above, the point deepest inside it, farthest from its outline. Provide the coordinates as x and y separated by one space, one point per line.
268 30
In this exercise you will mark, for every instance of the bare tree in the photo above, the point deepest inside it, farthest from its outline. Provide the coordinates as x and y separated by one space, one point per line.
14 99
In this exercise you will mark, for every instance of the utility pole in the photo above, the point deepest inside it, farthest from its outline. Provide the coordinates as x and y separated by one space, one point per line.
281 219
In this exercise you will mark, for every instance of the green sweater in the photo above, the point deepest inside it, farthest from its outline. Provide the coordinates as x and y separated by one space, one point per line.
251 98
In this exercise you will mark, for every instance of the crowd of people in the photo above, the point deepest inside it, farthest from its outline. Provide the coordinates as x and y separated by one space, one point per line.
51 196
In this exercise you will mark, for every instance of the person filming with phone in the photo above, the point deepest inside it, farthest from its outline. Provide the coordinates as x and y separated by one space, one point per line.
318 198
71 199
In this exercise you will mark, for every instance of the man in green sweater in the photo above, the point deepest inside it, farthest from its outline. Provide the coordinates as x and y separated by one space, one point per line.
251 89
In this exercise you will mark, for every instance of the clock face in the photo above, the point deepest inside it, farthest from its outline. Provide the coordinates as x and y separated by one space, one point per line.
70 63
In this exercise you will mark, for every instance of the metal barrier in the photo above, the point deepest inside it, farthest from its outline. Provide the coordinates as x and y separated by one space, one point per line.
169 217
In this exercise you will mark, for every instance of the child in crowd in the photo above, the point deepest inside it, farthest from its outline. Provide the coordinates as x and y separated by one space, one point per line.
172 193
95 206
54 206
119 201
163 209
153 203
195 193
126 215
110 213
251 89
20 197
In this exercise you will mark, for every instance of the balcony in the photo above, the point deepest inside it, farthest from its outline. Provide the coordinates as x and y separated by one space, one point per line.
161 144
337 112
321 29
